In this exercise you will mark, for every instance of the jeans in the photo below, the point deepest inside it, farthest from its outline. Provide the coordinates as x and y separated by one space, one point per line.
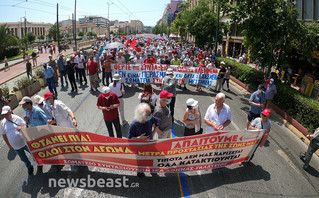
51 85
313 147
63 74
117 127
82 74
108 75
23 156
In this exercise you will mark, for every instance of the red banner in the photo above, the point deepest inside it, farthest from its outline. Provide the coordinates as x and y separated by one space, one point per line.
57 145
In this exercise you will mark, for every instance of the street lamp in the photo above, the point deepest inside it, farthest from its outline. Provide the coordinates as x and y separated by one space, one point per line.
108 18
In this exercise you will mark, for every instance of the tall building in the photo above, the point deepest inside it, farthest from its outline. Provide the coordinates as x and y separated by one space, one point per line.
17 29
171 11
99 21
137 26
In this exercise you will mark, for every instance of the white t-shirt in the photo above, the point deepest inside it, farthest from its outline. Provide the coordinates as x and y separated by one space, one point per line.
60 112
15 137
118 89
78 60
212 115
138 61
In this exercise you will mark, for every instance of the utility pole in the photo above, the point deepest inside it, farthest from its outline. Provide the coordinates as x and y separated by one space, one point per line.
25 32
108 18
75 45
57 26
217 28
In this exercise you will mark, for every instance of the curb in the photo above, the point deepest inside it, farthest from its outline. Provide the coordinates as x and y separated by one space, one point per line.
288 121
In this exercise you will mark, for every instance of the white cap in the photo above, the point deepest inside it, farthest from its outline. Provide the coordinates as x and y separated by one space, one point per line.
272 80
106 90
5 110
222 63
38 99
24 100
116 77
191 102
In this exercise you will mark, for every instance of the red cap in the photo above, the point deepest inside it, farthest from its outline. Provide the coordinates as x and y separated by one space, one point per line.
75 53
266 112
166 94
47 95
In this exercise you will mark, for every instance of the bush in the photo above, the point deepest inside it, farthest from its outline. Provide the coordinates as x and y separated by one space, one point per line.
39 73
23 82
302 108
242 72
11 51
5 91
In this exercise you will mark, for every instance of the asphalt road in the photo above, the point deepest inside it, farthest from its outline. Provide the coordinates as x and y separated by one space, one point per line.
277 171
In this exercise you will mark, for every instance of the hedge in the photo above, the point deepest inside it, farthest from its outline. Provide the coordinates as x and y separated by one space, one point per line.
10 52
302 108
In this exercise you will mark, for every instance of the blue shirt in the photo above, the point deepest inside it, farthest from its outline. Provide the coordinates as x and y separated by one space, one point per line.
136 128
38 117
49 72
256 98
61 64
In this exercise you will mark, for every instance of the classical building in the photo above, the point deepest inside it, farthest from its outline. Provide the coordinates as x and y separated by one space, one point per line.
17 29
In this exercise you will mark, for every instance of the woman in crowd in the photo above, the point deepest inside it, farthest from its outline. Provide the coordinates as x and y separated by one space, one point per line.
192 118
148 96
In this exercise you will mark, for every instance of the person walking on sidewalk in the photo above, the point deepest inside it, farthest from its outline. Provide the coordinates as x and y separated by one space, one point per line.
34 58
11 127
6 64
49 73
220 77
312 148
29 68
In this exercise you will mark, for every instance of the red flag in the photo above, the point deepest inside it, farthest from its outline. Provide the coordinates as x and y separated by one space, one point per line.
127 42
149 41
133 43
123 36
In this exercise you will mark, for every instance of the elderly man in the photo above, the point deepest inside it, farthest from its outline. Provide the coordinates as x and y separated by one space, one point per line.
63 116
144 125
10 130
257 103
218 115
262 123
80 60
49 76
313 147
109 103
92 71
162 112
271 90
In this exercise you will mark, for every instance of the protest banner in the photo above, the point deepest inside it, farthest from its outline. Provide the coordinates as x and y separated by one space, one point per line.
154 73
58 145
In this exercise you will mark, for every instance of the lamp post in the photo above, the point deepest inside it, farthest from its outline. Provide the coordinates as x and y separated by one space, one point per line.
108 18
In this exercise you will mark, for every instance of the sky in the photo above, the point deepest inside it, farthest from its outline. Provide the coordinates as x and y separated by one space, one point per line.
147 11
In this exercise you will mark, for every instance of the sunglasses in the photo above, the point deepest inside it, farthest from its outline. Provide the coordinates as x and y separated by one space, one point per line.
189 107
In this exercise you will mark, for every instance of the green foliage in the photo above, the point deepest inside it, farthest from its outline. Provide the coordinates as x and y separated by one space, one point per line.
11 51
81 34
269 28
39 73
160 28
302 108
200 22
31 37
91 34
242 72
5 90
53 32
23 82
6 40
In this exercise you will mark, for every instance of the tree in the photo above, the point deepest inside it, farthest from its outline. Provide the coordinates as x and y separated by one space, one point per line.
269 27
31 37
200 22
81 34
53 32
6 40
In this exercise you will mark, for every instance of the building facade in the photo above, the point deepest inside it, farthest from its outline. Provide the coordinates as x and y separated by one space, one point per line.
308 10
99 21
18 29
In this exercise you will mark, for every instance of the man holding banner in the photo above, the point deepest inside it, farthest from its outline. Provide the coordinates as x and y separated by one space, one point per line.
218 115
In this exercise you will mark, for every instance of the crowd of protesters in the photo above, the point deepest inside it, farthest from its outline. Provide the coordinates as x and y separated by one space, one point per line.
154 116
